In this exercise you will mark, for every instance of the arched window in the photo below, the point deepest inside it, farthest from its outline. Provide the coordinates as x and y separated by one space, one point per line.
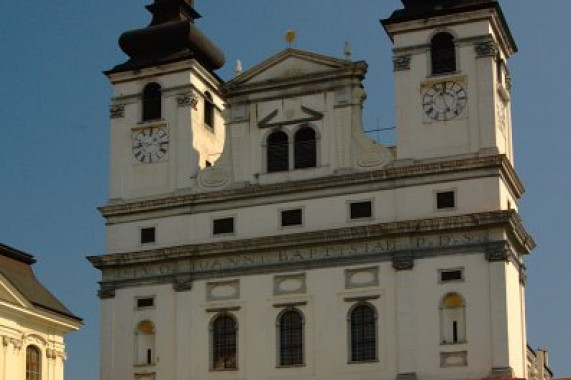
305 148
363 324
277 152
33 363
152 102
224 343
443 53
290 338
145 343
208 110
453 319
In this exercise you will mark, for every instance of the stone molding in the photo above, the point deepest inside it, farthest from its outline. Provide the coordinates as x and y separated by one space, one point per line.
381 177
486 49
117 111
403 262
187 99
402 62
407 376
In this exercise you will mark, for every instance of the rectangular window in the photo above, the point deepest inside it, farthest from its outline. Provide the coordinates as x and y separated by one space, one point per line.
223 226
145 302
148 235
292 218
361 210
445 200
451 275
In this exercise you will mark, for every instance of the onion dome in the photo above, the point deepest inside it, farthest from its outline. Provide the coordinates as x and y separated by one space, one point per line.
171 36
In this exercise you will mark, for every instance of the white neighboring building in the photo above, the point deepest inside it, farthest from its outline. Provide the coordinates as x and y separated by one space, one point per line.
32 322
255 232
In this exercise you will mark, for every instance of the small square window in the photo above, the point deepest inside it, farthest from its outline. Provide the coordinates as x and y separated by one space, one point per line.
292 218
145 302
451 275
361 210
223 226
445 200
148 235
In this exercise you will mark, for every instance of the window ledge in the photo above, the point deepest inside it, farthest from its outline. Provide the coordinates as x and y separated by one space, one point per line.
453 343
152 365
223 369
291 366
372 361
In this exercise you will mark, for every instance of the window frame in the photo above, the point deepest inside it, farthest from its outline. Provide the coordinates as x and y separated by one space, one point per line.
147 228
209 111
436 193
149 359
364 218
149 100
442 271
212 344
295 146
290 209
34 373
279 336
460 331
213 223
351 352
432 50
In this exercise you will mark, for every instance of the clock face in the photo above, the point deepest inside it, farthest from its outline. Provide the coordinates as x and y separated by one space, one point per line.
150 145
444 101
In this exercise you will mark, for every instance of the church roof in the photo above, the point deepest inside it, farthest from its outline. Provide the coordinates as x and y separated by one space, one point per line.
16 268
422 9
170 37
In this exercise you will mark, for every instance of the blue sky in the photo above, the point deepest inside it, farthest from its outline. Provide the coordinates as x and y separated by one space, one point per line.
54 146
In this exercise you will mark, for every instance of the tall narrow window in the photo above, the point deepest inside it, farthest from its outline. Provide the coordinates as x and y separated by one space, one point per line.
208 110
224 343
33 363
305 148
152 102
363 324
453 319
145 343
290 338
443 53
277 152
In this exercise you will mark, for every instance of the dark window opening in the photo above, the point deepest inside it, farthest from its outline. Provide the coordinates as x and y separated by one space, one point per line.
223 226
292 218
208 110
443 53
145 302
446 199
363 334
152 99
359 210
454 332
305 148
224 339
149 356
291 338
277 152
500 70
148 235
451 275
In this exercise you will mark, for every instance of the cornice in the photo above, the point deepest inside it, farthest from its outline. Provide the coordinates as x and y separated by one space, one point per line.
508 220
385 176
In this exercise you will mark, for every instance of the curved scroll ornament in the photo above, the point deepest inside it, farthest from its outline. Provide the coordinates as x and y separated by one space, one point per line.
219 175
368 154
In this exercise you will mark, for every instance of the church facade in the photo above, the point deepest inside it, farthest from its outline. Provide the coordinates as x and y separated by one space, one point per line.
33 322
254 231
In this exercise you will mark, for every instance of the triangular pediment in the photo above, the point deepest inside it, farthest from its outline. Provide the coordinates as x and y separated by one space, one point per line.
8 293
288 64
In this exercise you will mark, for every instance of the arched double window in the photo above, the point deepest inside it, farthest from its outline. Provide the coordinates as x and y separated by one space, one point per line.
208 110
303 149
363 333
152 102
145 343
443 53
291 338
277 152
453 319
224 342
33 363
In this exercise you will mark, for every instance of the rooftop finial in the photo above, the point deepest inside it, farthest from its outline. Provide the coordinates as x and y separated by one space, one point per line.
239 69
290 37
347 51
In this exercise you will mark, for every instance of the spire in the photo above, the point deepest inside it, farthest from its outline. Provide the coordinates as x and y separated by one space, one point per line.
171 36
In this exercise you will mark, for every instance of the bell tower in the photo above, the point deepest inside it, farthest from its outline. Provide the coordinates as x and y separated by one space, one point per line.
452 81
166 119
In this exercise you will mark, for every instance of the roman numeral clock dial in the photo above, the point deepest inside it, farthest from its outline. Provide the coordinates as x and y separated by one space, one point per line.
444 101
150 144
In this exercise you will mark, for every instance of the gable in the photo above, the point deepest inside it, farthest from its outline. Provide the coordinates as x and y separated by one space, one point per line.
9 294
290 63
